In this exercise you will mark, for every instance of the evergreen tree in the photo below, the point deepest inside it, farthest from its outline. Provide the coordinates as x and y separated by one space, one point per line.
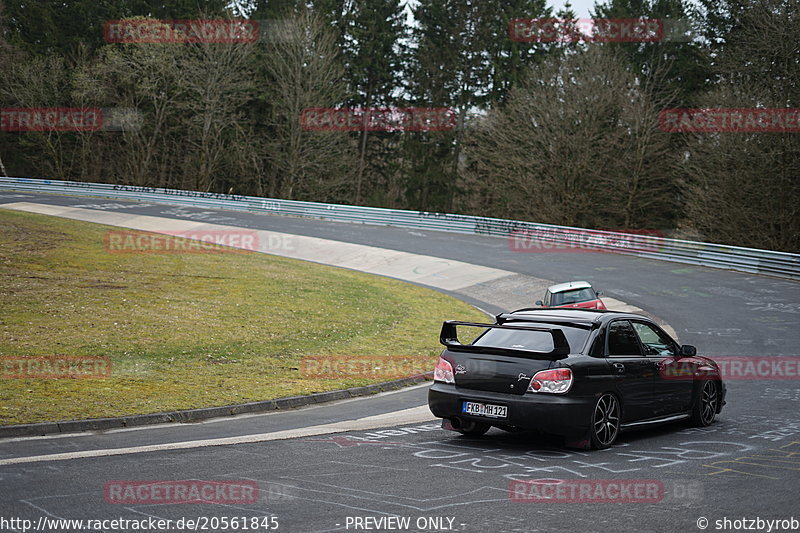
465 59
678 63
372 31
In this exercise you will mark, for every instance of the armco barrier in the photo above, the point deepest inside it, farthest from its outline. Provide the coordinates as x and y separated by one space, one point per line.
781 264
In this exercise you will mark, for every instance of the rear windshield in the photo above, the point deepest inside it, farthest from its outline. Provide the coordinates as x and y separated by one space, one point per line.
537 341
574 296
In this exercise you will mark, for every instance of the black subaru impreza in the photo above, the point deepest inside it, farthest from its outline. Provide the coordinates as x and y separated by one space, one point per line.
584 374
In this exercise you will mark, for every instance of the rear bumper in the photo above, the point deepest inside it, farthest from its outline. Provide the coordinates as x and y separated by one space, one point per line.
551 413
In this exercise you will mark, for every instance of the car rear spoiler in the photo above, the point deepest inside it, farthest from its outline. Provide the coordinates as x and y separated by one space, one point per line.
504 317
449 337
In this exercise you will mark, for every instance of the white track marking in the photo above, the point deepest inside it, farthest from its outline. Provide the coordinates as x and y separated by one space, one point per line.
414 415
93 433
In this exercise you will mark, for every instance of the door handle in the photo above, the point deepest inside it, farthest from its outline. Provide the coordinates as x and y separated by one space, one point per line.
618 367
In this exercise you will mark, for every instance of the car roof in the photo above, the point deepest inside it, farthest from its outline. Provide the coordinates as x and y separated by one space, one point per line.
572 315
561 287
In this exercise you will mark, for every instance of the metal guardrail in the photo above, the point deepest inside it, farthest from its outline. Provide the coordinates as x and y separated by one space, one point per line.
522 236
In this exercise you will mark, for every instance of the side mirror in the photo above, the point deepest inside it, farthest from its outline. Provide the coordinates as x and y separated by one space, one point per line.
687 350
539 303
599 293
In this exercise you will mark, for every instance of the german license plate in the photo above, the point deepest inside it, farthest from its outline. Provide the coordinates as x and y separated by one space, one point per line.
484 409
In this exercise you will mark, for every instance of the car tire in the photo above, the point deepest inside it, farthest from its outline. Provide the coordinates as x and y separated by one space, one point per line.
605 422
470 428
707 404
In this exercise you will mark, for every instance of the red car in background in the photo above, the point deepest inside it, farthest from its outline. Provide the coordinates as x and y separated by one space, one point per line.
572 294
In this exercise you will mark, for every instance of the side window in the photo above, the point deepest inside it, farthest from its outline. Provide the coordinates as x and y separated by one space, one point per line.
599 345
654 342
622 339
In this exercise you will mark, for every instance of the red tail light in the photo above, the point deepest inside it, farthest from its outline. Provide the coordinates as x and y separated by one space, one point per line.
555 381
443 371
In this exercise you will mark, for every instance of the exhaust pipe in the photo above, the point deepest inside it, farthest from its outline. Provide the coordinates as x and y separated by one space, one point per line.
452 424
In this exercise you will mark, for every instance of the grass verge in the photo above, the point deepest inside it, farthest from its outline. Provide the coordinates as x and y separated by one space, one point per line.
190 330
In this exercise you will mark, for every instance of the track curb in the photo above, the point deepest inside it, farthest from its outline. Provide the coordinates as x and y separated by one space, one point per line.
204 413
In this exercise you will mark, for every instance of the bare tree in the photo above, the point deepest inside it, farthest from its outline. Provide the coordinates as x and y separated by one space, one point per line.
304 71
744 187
644 179
577 144
217 82
42 82
5 53
145 77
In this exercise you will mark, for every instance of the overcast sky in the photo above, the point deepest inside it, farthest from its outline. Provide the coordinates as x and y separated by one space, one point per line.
580 7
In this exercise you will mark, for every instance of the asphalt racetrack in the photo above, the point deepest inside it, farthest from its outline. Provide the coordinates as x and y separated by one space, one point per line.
396 470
